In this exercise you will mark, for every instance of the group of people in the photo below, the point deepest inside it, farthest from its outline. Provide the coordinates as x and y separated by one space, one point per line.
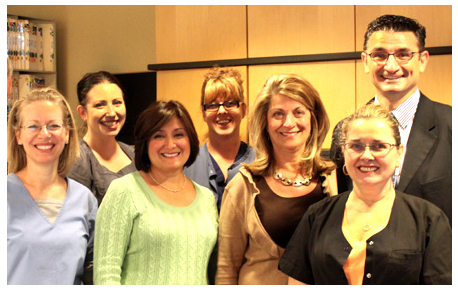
166 211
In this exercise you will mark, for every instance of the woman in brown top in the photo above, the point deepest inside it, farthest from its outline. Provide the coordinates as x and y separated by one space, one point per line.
263 204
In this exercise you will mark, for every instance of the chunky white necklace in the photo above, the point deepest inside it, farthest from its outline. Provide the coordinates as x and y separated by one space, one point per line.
287 182
172 190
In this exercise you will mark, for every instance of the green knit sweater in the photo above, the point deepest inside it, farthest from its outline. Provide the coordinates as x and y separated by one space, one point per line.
139 239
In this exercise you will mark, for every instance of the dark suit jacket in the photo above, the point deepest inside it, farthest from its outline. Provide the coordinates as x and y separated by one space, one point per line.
427 168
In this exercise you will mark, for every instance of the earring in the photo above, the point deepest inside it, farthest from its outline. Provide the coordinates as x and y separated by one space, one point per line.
397 171
344 169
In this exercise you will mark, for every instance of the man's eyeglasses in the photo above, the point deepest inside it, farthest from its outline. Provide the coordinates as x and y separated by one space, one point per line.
402 57
33 128
377 149
213 107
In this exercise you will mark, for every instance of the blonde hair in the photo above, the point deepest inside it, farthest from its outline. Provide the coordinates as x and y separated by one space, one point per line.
371 111
225 82
297 88
17 158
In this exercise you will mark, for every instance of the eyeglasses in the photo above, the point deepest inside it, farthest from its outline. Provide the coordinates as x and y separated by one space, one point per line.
377 149
33 128
213 107
402 57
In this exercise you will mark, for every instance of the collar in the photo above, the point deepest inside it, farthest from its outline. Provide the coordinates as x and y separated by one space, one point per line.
406 111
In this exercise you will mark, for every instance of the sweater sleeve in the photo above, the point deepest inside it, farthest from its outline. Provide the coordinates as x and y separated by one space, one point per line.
233 237
113 227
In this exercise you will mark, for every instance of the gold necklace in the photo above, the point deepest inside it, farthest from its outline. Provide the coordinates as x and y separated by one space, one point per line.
366 226
287 182
172 190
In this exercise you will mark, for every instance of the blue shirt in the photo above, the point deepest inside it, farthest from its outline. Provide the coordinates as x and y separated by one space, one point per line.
206 172
41 252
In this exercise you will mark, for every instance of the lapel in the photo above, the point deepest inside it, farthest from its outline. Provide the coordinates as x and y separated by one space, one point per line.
421 139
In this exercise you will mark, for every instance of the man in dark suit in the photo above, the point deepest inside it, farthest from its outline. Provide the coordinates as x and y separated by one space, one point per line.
394 56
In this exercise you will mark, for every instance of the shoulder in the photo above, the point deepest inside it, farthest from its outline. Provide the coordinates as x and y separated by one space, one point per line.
327 205
241 187
127 185
85 157
13 185
443 111
418 207
250 153
124 191
81 191
127 148
12 179
200 165
127 180
242 180
206 193
84 148
76 186
416 202
202 189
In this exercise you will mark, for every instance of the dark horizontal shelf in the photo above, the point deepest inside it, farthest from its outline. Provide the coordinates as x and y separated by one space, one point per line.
438 50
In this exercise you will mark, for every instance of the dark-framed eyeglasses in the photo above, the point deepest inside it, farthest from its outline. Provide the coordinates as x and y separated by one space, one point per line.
34 128
376 149
229 105
402 57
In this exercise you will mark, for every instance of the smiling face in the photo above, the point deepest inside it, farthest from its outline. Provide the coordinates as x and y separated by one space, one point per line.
363 168
43 146
169 148
105 111
392 80
224 122
288 124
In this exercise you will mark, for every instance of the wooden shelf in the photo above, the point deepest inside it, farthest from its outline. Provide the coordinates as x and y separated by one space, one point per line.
439 50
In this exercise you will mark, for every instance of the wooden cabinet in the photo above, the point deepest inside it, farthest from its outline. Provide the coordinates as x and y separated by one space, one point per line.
323 43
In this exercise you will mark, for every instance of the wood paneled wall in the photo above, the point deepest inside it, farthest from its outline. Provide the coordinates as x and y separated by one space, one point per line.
200 33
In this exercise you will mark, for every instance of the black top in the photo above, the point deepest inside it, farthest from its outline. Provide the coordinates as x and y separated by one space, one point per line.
414 248
427 169
279 215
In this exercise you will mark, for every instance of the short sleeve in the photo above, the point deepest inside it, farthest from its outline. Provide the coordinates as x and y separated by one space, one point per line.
437 262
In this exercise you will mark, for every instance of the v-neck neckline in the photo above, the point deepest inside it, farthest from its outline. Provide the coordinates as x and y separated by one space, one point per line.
37 208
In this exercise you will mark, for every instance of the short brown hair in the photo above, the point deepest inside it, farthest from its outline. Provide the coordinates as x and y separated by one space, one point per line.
397 23
151 120
17 159
297 88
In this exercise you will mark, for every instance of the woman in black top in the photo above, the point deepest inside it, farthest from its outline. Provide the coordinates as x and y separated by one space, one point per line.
373 234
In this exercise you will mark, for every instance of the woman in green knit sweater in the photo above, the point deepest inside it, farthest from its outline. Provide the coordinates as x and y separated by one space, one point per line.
155 226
